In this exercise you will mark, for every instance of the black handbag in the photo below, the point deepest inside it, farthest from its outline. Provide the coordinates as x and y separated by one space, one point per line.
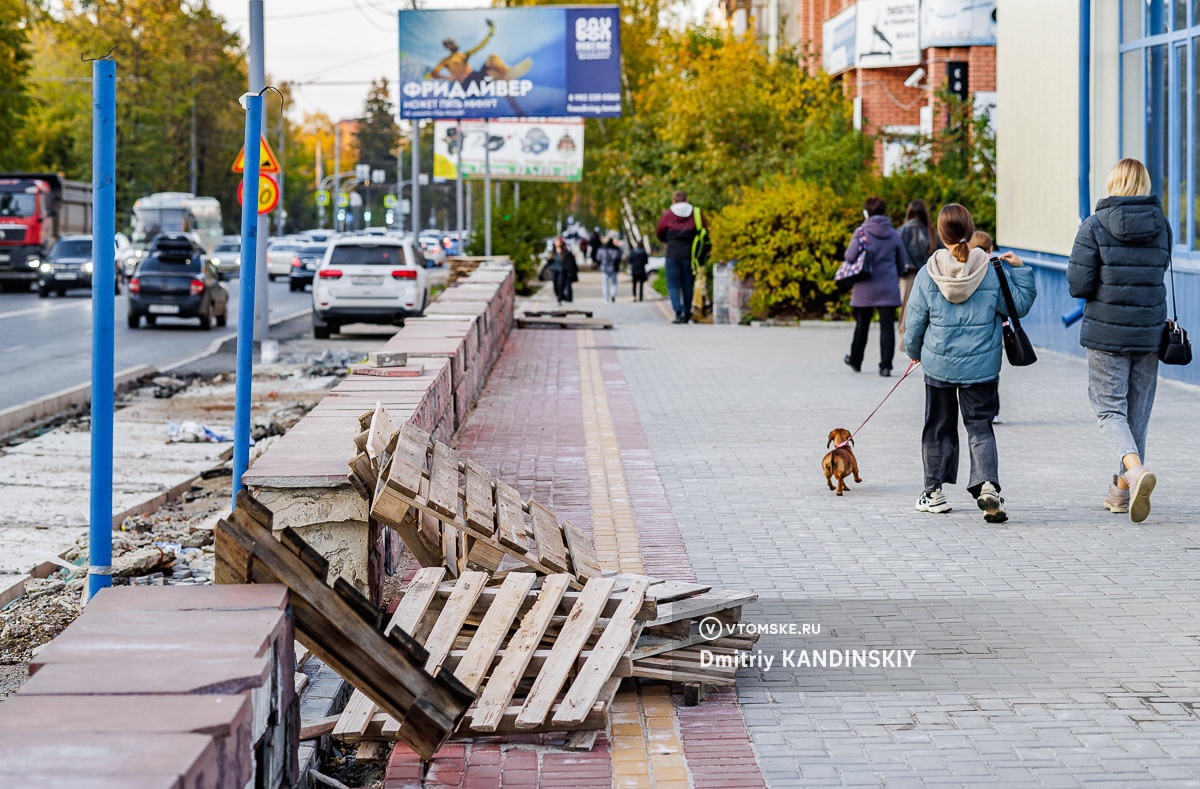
1017 346
1175 347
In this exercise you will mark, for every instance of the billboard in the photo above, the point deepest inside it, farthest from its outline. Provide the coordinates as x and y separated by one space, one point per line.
886 34
530 61
837 52
534 149
958 23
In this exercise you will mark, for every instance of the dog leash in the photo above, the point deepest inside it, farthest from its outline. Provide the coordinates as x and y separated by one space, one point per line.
911 366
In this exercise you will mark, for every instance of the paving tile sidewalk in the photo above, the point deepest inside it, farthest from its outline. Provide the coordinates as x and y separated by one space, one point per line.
1060 649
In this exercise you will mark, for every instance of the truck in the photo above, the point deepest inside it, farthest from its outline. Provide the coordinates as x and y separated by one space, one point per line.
36 209
176 212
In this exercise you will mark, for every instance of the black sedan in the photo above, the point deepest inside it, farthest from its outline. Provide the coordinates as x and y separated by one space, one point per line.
175 281
69 267
304 265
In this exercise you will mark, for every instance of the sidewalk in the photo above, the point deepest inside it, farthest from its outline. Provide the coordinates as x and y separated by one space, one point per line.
1059 649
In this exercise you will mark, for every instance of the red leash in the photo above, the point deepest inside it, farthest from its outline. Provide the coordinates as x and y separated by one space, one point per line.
911 364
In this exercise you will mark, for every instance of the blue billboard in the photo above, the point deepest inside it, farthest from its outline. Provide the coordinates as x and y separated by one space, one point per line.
541 61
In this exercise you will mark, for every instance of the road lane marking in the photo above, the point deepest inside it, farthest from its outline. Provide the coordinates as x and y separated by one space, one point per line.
43 309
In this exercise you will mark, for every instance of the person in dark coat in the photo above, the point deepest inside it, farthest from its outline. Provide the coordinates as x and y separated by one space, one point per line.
594 244
677 229
563 270
639 258
881 292
1118 265
919 242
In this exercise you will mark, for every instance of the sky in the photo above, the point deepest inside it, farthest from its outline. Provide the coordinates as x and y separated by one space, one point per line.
333 48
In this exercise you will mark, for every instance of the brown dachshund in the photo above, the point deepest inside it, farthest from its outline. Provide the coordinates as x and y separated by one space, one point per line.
840 461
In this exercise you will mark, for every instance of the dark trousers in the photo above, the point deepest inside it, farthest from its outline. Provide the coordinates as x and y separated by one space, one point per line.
887 335
979 404
680 284
562 286
639 287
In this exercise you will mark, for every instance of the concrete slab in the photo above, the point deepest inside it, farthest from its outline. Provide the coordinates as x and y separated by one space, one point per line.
188 761
138 675
223 597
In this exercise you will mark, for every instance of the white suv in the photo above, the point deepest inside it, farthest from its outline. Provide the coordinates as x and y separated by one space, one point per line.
368 280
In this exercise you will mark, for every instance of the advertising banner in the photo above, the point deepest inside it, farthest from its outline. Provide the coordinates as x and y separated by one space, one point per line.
533 149
886 34
837 52
958 23
530 61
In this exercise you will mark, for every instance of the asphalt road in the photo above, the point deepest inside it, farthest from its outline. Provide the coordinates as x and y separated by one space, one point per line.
46 344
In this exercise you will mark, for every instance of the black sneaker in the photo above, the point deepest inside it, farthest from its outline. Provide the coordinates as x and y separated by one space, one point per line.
992 505
885 372
856 368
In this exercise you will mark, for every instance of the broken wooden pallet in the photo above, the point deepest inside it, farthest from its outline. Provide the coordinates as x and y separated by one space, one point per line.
534 668
455 514
341 627
556 313
566 322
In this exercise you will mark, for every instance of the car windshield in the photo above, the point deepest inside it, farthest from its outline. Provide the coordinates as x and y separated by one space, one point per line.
286 248
75 248
318 249
227 248
367 256
16 204
171 264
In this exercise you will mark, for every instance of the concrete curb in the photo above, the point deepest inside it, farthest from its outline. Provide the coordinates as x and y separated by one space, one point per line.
18 417
216 345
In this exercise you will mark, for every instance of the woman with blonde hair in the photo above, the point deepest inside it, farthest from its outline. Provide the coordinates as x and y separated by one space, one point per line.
954 317
1118 265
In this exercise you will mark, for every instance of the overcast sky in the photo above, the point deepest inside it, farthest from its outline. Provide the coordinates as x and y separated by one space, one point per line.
332 42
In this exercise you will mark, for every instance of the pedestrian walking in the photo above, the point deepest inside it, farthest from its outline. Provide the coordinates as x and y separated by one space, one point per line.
562 270
594 244
881 291
639 259
919 242
1118 265
677 229
609 260
954 331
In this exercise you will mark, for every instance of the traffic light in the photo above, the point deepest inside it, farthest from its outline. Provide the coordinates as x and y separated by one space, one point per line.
341 215
390 216
367 216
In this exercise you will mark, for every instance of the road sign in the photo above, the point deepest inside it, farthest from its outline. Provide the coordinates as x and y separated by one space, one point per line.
378 176
389 201
422 179
268 194
323 197
266 158
343 200
362 172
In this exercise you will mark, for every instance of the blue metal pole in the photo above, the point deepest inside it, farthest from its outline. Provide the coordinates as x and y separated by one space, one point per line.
104 214
1085 109
245 327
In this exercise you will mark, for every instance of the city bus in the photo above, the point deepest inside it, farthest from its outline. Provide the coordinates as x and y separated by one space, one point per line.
176 212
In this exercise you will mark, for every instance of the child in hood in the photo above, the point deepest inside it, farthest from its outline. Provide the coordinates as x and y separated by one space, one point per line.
954 330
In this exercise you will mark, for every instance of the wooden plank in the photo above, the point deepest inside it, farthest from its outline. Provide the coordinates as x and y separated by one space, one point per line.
510 518
311 730
571 640
355 717
443 480
416 600
700 605
613 643
484 556
370 751
489 708
555 313
670 591
580 741
494 629
457 609
564 323
583 551
416 434
640 669
380 432
481 505
548 538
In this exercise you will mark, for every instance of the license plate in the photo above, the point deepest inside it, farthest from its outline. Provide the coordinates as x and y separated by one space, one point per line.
66 275
5 257
366 280
310 266
164 309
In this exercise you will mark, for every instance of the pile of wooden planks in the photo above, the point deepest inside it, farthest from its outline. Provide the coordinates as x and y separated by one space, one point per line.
341 627
568 319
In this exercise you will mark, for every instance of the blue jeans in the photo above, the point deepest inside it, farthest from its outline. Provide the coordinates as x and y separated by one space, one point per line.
1121 387
609 285
680 284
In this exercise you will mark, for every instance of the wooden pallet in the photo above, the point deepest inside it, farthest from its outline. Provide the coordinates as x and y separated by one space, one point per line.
556 313
341 627
566 322
454 514
535 668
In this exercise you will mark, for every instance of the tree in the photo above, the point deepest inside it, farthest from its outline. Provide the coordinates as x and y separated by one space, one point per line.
14 68
378 134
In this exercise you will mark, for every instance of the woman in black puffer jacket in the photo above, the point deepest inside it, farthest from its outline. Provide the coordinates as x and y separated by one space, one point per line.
1118 265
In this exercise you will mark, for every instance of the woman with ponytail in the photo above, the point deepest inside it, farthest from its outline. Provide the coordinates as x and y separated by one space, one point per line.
953 329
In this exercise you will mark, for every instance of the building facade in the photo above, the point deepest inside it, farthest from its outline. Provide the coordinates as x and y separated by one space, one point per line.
1082 84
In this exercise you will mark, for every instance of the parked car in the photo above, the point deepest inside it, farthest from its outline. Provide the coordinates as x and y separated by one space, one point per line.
304 265
368 280
227 257
174 280
69 267
279 257
127 256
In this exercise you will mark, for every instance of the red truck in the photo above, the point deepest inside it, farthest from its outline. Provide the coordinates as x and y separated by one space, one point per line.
35 210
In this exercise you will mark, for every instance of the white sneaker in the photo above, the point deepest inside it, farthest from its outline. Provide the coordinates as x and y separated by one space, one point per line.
992 505
933 501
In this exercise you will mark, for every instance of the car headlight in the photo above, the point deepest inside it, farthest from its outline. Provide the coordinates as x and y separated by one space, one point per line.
87 267
216 261
46 267
34 262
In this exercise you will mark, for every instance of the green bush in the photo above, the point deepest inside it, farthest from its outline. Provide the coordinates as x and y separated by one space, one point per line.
789 238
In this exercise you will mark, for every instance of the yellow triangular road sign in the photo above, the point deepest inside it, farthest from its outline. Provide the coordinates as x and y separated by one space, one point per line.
266 158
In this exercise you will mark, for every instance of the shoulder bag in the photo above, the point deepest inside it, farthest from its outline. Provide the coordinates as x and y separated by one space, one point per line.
1017 346
1175 348
857 270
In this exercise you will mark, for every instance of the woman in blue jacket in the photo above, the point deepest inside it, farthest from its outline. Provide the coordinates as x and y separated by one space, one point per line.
953 329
